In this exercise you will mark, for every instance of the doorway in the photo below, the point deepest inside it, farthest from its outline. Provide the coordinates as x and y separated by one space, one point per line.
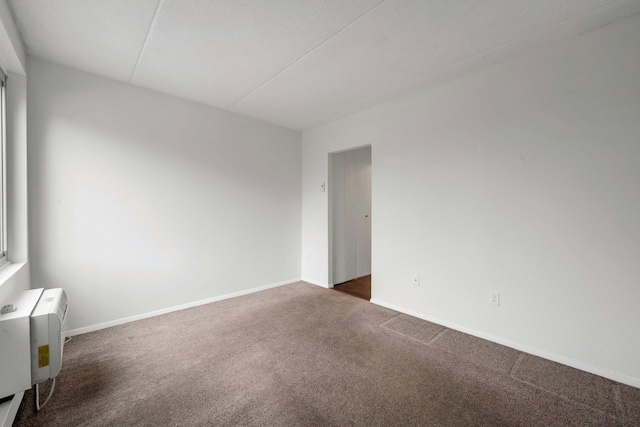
350 221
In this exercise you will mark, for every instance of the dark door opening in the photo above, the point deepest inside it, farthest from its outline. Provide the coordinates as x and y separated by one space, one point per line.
360 287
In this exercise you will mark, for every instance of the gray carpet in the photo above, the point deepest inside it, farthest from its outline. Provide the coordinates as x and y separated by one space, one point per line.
300 355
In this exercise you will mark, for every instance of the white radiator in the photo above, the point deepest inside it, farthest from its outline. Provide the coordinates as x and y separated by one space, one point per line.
48 332
32 332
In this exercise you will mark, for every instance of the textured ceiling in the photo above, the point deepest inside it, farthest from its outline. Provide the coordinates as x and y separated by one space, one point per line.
297 63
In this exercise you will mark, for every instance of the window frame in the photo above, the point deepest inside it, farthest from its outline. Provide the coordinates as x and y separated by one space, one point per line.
4 259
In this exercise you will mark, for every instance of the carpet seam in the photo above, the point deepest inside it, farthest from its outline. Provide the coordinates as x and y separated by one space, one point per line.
389 320
431 344
437 337
405 335
618 399
561 396
516 365
427 343
569 400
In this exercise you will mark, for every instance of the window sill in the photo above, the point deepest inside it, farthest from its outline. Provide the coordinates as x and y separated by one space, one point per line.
9 270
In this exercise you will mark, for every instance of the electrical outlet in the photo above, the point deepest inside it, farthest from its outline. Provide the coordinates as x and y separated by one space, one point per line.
494 298
415 280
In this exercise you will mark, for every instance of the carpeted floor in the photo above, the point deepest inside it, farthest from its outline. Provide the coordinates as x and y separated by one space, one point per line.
300 355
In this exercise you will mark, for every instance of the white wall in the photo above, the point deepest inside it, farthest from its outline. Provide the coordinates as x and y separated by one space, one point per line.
140 201
522 179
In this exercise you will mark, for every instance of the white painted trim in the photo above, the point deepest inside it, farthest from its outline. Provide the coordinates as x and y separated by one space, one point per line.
313 282
124 320
8 270
612 375
8 410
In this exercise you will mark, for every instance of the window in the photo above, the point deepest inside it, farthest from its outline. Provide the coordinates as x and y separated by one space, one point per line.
3 172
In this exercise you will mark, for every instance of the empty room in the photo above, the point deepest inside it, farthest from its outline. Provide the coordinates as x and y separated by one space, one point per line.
320 213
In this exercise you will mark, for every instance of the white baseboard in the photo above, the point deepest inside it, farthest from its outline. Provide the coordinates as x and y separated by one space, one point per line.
8 410
612 375
313 282
116 322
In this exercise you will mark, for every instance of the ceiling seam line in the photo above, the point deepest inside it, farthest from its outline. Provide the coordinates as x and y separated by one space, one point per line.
340 31
471 58
146 38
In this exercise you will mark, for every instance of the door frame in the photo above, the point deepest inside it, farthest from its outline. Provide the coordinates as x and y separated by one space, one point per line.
330 183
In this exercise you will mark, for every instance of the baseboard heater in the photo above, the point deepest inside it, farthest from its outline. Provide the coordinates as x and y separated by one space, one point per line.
33 329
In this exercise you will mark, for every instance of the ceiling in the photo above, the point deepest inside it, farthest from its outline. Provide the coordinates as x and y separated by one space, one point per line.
297 63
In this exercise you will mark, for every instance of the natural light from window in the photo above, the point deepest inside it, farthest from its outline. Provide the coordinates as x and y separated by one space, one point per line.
3 175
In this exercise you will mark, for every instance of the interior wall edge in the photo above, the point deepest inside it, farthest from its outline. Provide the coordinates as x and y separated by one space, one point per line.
317 283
